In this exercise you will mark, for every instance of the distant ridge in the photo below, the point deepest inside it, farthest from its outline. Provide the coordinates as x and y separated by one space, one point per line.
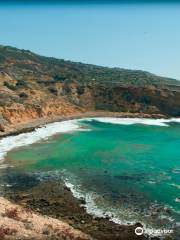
79 71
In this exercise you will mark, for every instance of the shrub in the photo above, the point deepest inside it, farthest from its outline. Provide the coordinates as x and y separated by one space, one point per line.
23 95
6 231
12 213
21 83
10 86
53 90
59 78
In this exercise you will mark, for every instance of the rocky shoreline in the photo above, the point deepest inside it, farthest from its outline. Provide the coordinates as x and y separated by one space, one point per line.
59 203
54 199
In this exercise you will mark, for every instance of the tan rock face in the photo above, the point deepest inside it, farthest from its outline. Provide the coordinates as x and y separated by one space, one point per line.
34 87
125 99
19 113
24 104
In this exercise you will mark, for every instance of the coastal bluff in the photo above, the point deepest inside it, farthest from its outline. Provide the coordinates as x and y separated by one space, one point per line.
35 87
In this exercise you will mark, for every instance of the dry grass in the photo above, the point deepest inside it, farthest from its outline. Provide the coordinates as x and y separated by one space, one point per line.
12 213
17 222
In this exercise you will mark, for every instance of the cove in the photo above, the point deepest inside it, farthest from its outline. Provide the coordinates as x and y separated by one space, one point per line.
125 169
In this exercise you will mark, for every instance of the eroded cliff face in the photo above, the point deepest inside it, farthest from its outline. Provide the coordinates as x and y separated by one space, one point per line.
26 105
11 116
34 87
19 113
125 99
68 98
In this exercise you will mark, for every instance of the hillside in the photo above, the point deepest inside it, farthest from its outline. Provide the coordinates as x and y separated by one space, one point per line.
33 86
23 63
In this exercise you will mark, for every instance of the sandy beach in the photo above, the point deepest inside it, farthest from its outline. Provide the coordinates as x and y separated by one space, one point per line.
30 125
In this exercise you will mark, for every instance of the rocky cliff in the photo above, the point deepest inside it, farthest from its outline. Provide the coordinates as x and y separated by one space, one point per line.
32 87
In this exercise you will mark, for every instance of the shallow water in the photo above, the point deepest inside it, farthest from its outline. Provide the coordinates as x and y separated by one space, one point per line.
130 172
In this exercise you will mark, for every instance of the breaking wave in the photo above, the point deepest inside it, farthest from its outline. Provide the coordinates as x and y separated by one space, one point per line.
42 133
130 121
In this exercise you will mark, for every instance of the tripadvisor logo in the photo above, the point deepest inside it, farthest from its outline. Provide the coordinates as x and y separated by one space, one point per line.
139 231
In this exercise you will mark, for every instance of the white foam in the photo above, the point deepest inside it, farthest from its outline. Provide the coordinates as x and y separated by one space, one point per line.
3 166
175 185
129 121
9 143
112 214
176 170
151 182
73 188
42 133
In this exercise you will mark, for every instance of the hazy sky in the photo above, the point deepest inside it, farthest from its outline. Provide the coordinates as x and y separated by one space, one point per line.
136 36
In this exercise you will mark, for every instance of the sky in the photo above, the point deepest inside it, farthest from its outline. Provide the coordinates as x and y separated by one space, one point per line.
126 34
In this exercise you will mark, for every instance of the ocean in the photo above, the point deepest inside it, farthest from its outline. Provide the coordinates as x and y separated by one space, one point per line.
125 169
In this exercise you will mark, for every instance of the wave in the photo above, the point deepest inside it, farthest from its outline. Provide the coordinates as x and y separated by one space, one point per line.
9 143
118 216
42 133
129 121
177 200
175 185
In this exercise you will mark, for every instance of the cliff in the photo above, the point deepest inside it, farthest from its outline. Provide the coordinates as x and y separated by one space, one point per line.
34 87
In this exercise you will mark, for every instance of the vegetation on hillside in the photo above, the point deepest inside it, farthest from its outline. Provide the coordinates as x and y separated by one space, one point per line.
34 87
22 64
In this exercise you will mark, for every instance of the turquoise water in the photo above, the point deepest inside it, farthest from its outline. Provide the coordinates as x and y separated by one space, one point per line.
128 172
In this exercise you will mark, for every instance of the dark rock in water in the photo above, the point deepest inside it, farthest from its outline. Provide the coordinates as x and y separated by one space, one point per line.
66 188
123 196
22 181
138 224
82 201
129 177
107 217
167 210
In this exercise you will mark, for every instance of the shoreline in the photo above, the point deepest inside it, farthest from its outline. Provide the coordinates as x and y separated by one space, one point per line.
110 229
59 203
40 122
